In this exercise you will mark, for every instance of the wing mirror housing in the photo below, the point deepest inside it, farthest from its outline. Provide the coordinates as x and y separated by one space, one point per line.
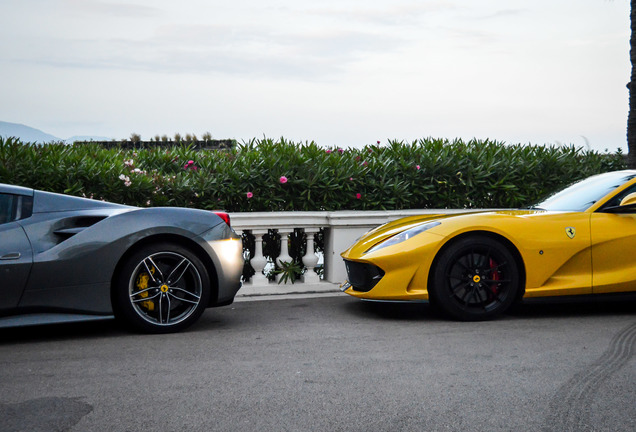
628 200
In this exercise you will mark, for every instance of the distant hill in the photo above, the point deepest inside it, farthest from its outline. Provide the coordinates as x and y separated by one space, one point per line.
29 134
25 133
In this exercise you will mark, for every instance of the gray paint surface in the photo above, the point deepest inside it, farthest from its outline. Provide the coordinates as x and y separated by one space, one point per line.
60 272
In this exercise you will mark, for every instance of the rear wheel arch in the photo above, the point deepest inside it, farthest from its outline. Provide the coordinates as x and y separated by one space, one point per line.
494 236
178 240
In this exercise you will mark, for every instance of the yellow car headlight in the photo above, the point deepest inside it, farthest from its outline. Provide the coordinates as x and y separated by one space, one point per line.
403 236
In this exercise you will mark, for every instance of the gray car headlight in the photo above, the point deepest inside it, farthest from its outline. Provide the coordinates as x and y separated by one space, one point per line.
403 236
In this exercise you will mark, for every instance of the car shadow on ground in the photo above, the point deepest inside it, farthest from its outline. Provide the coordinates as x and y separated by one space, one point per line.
394 311
106 328
535 308
62 331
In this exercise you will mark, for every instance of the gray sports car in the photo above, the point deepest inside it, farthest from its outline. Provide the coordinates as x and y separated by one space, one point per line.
64 258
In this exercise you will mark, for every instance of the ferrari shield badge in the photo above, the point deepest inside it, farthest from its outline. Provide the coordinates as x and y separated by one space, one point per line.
571 232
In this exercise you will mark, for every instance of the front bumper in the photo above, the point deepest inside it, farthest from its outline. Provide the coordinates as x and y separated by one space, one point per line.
405 269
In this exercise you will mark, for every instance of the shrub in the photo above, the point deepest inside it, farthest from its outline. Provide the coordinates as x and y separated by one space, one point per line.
269 175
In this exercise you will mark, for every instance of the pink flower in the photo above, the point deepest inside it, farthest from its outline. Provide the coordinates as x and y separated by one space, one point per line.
371 150
365 163
328 151
249 195
283 179
350 178
341 151
195 168
378 142
417 167
358 195
125 179
190 162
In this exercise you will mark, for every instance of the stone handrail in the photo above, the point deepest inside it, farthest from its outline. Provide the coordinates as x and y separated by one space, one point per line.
341 229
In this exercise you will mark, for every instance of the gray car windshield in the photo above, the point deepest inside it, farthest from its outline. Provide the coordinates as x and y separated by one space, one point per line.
582 195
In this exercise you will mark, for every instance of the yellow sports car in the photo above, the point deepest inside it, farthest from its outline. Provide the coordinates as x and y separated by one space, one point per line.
581 240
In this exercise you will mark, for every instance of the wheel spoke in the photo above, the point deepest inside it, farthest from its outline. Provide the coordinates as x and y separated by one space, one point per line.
175 270
136 293
463 298
161 307
496 268
143 299
185 292
464 266
477 296
487 257
495 294
156 267
496 281
183 299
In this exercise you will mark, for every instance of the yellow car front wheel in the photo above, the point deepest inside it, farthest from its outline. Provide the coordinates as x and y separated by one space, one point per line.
475 278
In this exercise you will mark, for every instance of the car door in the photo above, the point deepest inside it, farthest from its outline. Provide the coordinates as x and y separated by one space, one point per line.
16 256
614 249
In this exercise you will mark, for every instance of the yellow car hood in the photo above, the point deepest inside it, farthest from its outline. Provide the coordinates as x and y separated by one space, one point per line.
470 218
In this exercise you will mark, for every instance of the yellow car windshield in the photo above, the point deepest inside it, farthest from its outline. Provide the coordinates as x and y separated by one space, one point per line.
582 195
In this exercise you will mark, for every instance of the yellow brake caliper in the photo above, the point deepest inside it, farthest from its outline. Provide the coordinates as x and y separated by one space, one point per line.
142 284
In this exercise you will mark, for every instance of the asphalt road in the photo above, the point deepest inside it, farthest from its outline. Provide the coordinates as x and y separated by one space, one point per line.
329 364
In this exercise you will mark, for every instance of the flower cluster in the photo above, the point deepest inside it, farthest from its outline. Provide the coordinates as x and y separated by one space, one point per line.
190 165
125 179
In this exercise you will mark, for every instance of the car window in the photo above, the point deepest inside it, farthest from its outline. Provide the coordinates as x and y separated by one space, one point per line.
582 195
616 201
6 208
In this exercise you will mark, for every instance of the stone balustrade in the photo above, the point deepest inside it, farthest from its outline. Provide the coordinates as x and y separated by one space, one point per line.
341 229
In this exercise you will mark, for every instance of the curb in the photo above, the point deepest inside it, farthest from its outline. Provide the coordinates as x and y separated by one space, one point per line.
274 289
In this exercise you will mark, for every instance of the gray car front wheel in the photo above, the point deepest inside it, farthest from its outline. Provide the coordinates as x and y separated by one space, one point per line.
162 288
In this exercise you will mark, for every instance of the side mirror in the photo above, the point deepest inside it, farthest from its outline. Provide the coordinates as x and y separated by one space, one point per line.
628 200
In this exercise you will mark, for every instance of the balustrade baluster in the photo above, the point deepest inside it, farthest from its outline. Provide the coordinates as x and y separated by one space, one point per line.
258 261
284 249
310 260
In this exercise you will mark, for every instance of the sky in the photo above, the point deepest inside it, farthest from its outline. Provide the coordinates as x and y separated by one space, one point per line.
341 73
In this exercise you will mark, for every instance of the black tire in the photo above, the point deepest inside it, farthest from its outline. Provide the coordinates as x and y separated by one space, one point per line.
162 288
475 278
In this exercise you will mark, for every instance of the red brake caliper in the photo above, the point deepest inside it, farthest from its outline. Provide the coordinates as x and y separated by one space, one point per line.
494 276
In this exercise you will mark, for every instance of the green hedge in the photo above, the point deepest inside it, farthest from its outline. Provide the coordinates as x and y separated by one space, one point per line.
268 175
